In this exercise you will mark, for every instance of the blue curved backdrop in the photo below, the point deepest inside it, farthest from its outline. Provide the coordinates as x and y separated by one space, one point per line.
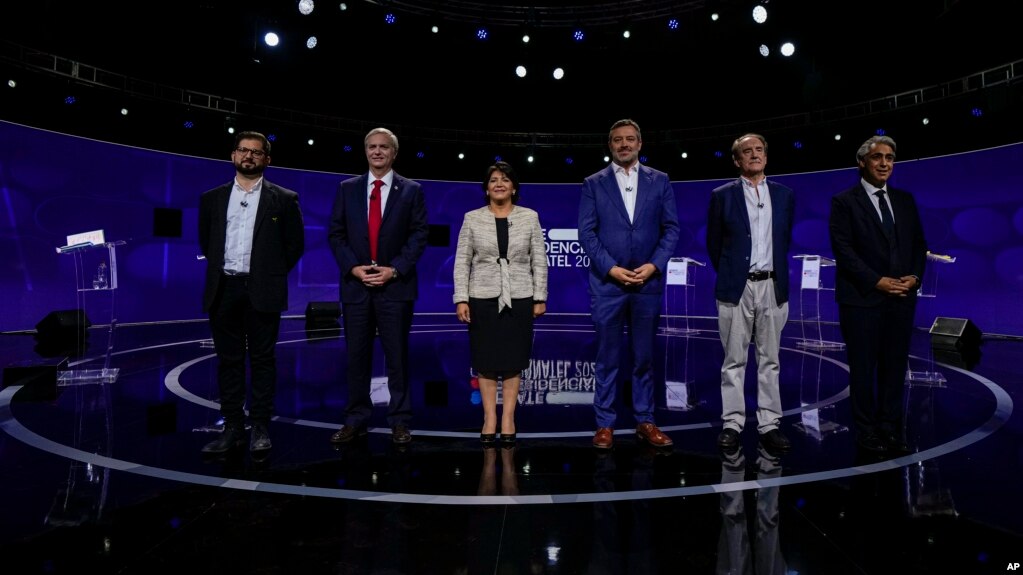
53 185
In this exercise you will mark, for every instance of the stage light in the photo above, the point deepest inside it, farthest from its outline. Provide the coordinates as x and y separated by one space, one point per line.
390 18
525 38
714 16
838 137
347 148
311 42
188 124
880 131
497 158
977 112
578 36
271 137
343 6
310 141
685 155
420 155
607 159
271 39
718 154
71 100
569 160
124 111
230 129
529 158
306 7
434 29
797 145
788 49
559 73
759 14
673 24
481 34
12 84
926 121
642 159
520 71
461 156
764 50
626 34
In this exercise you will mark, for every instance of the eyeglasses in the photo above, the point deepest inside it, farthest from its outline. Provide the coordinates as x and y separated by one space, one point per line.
255 153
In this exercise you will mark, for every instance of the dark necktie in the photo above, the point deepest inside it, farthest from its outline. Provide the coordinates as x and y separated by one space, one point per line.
375 216
887 221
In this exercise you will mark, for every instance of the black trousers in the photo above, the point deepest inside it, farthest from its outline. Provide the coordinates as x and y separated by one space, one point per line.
362 321
239 330
877 345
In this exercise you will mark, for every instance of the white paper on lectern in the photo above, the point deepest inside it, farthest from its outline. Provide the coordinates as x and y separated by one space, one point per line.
678 270
95 237
811 273
811 419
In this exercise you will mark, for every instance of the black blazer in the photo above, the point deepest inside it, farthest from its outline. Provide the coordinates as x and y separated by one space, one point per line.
278 241
864 254
402 239
729 243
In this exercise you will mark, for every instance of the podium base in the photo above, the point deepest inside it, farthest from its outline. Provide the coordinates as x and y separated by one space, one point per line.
925 378
87 376
820 345
823 429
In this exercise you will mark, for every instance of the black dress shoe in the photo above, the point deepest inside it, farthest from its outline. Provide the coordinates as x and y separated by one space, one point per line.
507 439
775 441
488 439
728 439
870 442
347 433
400 434
232 436
259 439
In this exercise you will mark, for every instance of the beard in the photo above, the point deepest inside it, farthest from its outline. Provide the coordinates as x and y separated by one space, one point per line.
249 170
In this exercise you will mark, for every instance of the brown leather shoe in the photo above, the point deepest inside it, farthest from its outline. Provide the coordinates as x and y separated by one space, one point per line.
604 438
648 432
347 433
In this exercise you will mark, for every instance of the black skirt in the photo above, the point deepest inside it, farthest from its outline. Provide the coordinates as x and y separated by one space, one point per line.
500 342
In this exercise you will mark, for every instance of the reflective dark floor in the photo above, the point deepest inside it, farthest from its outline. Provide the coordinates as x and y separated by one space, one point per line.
108 478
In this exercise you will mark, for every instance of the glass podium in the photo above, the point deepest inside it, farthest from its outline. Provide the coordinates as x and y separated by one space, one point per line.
95 270
929 289
677 298
813 283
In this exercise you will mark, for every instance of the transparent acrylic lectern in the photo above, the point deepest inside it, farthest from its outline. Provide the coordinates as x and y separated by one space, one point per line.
929 289
810 288
95 283
677 295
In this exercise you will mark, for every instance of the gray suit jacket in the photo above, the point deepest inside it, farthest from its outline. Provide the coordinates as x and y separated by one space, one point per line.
477 272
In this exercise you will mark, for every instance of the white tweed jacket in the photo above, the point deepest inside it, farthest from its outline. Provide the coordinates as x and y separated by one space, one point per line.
477 270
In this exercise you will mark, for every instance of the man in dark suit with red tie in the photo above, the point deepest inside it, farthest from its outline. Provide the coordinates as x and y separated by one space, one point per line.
880 252
252 235
377 232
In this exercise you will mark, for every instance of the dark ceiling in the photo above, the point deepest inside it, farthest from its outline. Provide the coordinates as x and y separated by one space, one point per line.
704 73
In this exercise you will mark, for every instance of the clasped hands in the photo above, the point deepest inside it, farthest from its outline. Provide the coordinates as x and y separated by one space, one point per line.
896 286
373 276
636 277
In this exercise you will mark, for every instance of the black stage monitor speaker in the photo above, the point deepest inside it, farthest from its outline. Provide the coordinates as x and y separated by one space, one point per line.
62 321
954 334
322 311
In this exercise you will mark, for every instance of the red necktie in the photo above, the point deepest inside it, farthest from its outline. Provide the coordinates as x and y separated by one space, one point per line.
375 215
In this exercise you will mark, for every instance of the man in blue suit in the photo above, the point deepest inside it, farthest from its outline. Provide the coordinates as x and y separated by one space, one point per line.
880 253
749 227
377 232
628 227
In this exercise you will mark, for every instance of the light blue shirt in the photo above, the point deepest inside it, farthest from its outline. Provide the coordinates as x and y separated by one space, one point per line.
627 185
758 207
241 220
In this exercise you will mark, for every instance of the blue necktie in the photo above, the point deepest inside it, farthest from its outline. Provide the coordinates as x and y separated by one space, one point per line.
887 221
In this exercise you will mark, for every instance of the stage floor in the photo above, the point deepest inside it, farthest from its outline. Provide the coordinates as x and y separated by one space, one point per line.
108 478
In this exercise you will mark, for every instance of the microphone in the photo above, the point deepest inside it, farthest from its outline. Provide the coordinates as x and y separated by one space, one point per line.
760 205
245 204
628 189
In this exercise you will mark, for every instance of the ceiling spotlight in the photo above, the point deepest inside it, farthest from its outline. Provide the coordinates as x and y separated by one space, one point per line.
310 141
788 49
343 6
626 34
578 35
838 137
569 160
559 73
685 155
977 112
71 100
434 29
347 148
764 50
481 34
718 154
188 124
12 84
797 145
230 129
271 39
715 16
390 18
525 38
880 131
420 154
461 156
271 137
673 24
124 111
306 7
926 121
607 159
520 71
760 14
529 158
311 42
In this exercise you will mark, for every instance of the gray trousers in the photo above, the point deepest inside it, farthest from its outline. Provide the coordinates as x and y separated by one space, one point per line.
757 314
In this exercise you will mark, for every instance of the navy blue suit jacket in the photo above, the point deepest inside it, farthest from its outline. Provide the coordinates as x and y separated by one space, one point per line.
610 239
278 240
402 240
864 254
730 243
